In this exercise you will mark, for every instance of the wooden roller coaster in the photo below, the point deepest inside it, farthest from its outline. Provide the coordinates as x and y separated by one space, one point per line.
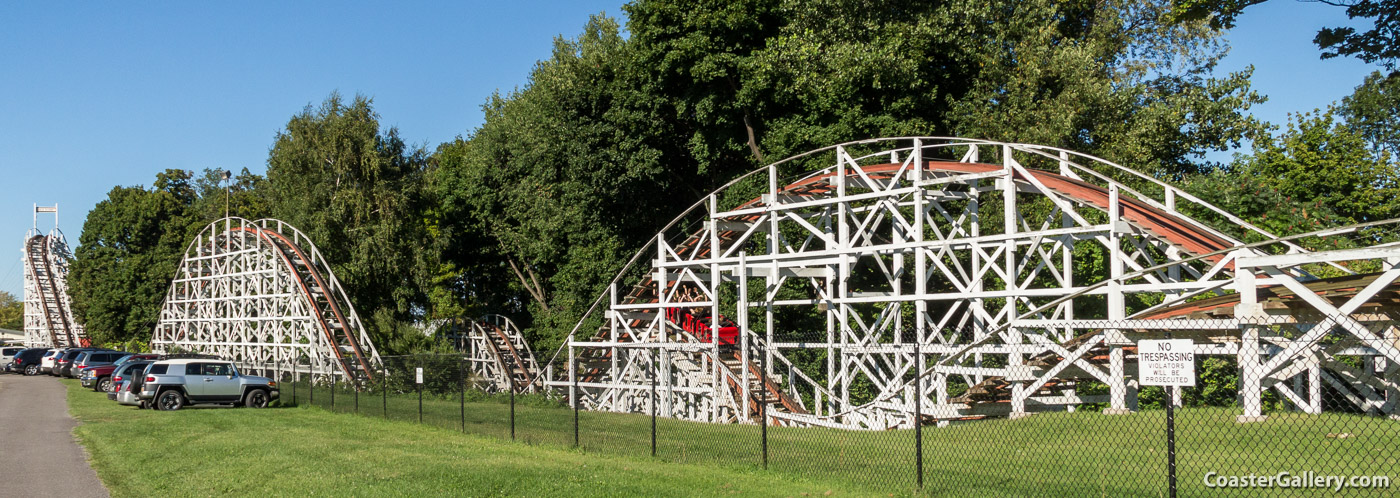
48 317
259 293
965 273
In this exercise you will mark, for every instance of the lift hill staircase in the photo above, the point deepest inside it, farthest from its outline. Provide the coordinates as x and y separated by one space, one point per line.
56 319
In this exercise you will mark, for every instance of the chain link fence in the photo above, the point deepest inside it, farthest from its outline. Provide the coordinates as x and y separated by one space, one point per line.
1273 405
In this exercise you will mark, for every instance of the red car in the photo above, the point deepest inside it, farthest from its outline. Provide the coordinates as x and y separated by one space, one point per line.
102 375
700 326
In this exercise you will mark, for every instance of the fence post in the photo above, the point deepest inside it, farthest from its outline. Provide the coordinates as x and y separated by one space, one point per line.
420 392
654 371
311 382
1171 436
511 387
294 383
763 406
356 386
334 380
918 418
574 395
384 386
462 397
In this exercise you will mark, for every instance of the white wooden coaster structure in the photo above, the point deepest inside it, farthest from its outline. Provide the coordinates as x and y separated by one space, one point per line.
498 356
260 293
1298 346
48 312
961 259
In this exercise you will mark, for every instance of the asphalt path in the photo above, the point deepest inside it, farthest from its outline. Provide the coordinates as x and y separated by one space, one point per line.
38 453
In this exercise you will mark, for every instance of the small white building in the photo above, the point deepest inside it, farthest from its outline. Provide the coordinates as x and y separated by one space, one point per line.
7 335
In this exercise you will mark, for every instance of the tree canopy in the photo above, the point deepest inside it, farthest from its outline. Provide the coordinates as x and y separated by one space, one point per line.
623 127
357 193
1319 160
131 244
1373 112
11 311
613 136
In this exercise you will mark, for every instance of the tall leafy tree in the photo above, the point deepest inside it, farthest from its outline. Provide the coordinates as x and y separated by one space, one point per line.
1378 45
470 275
131 244
557 183
613 136
1106 77
243 195
11 311
1113 79
1318 159
357 192
1373 111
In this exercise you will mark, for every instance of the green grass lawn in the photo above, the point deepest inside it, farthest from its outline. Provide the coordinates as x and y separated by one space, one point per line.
1049 454
313 452
1053 454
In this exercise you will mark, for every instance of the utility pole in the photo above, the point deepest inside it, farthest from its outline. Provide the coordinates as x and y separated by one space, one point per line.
228 185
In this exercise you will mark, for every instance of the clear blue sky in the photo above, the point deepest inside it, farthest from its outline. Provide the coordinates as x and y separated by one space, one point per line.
99 94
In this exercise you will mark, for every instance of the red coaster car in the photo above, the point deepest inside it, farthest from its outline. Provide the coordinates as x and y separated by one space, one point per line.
699 326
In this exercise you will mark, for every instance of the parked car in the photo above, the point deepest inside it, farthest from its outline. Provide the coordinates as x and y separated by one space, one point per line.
117 387
50 359
129 393
28 361
123 381
63 367
93 359
7 353
9 363
60 358
173 384
188 356
99 377
69 368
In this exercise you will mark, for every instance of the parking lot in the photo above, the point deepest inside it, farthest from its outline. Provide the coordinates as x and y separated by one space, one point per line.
40 456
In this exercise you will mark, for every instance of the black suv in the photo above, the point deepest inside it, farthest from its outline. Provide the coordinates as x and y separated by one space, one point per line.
27 361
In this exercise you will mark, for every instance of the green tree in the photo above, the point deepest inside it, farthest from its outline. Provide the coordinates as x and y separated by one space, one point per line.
1373 111
1317 159
470 277
1106 77
11 312
1378 45
614 136
245 195
358 194
1240 190
131 244
555 185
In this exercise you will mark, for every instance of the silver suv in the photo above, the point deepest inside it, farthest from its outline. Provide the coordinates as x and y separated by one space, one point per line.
172 384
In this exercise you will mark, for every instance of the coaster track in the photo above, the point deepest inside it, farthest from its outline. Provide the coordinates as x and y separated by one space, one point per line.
260 293
48 315
924 259
499 356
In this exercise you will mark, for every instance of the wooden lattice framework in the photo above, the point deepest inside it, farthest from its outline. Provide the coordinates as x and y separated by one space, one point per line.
48 312
963 260
260 293
497 355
